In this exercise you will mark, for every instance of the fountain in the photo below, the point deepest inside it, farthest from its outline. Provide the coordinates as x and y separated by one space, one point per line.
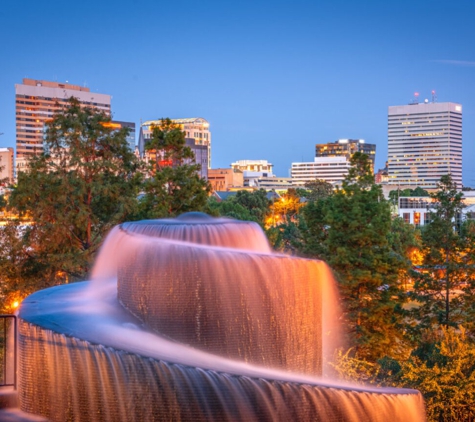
191 318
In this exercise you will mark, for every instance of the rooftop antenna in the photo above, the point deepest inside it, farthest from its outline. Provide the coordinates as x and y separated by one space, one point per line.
416 98
434 96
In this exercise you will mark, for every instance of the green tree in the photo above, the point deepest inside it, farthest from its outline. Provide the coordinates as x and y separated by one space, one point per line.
286 208
173 185
350 230
441 368
467 268
405 241
440 281
445 377
318 189
286 237
313 225
245 205
314 228
83 183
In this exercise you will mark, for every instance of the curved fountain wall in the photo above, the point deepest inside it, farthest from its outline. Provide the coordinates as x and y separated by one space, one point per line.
195 338
260 309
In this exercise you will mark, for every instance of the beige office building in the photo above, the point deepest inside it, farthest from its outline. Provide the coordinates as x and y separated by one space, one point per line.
37 101
260 166
424 144
225 179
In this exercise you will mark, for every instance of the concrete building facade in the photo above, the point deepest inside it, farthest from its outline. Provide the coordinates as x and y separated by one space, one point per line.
331 169
258 166
416 210
225 179
37 101
274 183
424 143
253 171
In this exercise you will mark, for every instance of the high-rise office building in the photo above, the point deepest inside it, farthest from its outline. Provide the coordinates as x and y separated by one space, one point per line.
424 144
346 148
37 101
196 131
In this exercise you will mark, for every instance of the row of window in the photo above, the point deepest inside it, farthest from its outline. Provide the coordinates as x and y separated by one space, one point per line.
417 218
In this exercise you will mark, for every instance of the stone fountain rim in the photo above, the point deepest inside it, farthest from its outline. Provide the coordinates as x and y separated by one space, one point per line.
191 219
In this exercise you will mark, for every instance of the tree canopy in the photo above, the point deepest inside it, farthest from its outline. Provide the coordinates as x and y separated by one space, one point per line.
444 282
172 185
83 183
245 205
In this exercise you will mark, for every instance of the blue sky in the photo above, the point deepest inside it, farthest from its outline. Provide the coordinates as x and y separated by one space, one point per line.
272 78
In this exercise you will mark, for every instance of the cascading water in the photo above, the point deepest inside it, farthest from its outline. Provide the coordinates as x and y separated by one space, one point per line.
191 319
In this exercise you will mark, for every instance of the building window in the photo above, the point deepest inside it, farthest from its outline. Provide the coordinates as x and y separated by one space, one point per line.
407 217
427 218
417 219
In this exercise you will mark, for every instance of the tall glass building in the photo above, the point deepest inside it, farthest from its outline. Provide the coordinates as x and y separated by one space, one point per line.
424 143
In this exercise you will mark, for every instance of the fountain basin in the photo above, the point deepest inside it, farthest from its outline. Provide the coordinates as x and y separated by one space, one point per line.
84 358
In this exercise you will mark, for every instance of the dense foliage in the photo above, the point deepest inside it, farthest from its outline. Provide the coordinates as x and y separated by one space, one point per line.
172 185
244 205
86 181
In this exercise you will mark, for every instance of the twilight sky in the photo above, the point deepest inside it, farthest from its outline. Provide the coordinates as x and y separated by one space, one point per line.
272 77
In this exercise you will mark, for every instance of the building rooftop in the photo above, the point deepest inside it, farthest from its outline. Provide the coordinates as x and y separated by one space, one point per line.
49 84
177 121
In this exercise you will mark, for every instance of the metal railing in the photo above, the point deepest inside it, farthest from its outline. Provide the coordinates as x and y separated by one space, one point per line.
8 351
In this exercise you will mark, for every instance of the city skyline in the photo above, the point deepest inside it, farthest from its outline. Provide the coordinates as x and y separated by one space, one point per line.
273 81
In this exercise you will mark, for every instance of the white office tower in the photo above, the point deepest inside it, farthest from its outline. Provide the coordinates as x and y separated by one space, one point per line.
331 169
424 144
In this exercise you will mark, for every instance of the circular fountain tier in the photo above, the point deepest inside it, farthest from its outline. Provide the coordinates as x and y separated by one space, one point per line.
200 228
190 319
258 308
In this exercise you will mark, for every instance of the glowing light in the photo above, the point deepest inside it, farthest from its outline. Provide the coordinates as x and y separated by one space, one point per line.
15 304
111 125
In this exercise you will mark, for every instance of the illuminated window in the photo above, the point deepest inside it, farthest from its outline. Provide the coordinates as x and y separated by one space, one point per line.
417 219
